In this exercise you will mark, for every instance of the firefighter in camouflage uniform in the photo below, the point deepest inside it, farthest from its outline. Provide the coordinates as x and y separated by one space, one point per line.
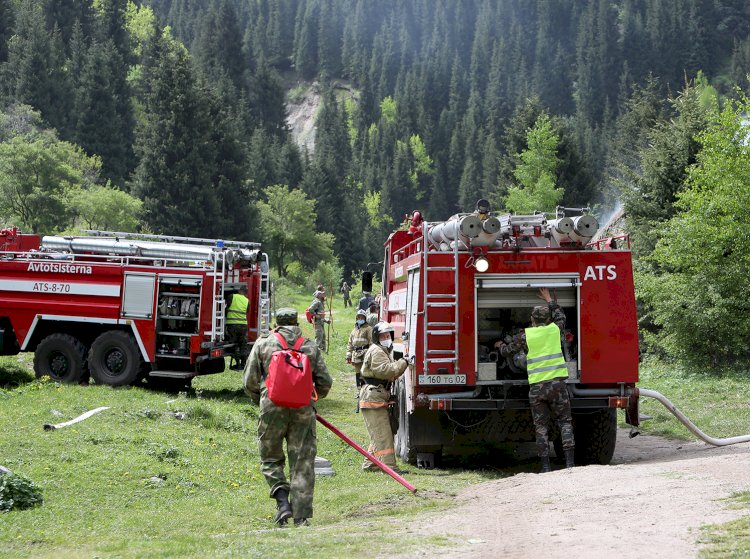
379 370
545 366
296 425
318 310
360 339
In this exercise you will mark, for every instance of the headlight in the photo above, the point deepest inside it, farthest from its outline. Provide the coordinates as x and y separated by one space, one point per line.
481 264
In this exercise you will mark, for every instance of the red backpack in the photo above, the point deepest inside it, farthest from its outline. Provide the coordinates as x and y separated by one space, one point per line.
289 381
309 316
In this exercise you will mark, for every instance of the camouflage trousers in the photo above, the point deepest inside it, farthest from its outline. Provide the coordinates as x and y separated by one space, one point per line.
297 426
551 398
320 335
237 334
378 426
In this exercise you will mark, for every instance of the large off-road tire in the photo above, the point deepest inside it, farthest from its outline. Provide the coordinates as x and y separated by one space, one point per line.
114 359
60 357
595 436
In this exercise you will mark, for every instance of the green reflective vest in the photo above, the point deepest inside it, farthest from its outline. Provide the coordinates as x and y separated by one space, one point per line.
237 311
545 360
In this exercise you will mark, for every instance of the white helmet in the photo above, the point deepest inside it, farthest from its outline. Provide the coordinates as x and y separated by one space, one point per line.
381 328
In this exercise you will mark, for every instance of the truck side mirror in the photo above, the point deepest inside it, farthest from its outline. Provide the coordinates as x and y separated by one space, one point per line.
367 281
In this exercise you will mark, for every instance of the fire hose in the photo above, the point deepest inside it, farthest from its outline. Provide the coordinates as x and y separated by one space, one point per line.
689 424
366 454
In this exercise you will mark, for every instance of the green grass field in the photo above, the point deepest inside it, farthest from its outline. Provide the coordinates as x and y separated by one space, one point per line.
136 481
731 539
717 403
166 475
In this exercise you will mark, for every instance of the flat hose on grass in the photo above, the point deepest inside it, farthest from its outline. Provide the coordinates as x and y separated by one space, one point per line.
689 424
50 427
336 431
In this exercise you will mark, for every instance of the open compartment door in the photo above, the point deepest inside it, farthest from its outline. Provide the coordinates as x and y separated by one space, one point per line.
504 305
411 332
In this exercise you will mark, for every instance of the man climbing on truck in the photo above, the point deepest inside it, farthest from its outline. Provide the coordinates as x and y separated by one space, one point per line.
545 365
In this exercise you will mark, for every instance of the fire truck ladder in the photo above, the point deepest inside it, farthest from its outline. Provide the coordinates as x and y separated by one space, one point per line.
448 299
264 307
218 317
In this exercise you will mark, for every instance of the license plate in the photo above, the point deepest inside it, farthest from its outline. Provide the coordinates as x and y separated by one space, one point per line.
441 379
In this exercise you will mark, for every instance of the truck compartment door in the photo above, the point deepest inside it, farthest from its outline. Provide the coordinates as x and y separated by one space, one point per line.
138 295
410 331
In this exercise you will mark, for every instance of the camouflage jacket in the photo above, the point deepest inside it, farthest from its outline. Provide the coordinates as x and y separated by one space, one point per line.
318 309
359 340
260 357
514 344
372 318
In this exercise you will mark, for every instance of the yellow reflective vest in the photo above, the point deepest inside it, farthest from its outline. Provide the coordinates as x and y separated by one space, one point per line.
545 360
237 311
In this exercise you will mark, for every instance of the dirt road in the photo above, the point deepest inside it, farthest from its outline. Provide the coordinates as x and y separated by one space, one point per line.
651 502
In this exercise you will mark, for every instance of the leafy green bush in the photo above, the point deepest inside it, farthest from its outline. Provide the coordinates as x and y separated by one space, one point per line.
18 492
285 292
699 296
328 273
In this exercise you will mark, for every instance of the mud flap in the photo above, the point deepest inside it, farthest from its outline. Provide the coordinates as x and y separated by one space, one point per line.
632 412
8 343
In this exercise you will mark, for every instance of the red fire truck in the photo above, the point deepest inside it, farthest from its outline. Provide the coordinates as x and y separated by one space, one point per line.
122 307
452 289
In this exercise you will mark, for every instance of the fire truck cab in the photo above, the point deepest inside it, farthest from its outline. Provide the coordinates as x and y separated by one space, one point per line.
122 307
453 289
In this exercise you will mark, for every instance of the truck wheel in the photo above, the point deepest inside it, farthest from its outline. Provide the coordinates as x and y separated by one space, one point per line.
115 359
595 436
60 357
404 440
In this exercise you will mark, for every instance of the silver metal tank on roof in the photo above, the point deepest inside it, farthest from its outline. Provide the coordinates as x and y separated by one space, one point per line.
133 248
584 227
459 228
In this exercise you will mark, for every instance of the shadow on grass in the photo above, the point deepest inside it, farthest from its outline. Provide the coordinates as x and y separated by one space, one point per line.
224 394
14 375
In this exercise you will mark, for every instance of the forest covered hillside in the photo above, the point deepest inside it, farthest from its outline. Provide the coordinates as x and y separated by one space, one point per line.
169 115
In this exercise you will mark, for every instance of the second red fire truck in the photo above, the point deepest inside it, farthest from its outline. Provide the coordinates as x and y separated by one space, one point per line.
122 307
452 289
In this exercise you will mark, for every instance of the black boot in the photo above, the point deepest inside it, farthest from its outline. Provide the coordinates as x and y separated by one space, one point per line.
301 522
569 458
284 512
546 466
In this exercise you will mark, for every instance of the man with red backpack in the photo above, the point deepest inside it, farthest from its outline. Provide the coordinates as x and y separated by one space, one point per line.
285 373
